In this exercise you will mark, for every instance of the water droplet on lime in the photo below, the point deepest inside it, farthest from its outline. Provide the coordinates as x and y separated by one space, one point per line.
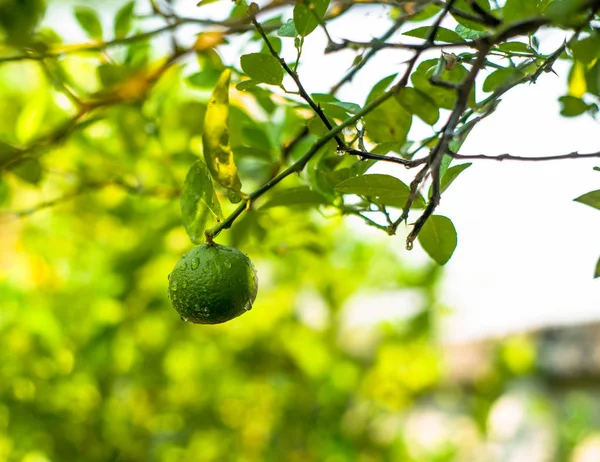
169 276
195 263
227 264
184 319
184 285
174 286
184 266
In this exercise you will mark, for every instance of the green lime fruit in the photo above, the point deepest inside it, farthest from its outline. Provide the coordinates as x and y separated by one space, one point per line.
212 284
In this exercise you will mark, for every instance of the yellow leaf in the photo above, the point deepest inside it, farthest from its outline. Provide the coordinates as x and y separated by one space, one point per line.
577 85
208 40
215 139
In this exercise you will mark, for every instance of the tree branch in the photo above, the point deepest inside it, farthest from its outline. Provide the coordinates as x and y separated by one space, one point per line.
501 157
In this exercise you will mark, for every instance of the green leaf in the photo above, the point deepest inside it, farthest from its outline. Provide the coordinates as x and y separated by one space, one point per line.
351 108
112 74
198 201
308 14
572 106
387 189
89 21
465 5
518 47
215 138
29 170
469 34
592 79
300 196
376 184
444 164
4 192
123 20
418 103
450 175
516 10
442 97
438 238
592 199
262 68
389 122
288 29
31 119
246 85
205 2
587 50
426 13
7 153
205 78
500 78
256 137
442 34
597 271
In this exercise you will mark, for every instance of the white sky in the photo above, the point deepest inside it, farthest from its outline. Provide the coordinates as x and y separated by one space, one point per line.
526 251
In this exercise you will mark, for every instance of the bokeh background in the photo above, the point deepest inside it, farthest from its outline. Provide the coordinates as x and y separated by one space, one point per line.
344 357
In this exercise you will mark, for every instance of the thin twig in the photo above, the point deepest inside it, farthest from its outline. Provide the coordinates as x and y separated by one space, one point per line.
501 157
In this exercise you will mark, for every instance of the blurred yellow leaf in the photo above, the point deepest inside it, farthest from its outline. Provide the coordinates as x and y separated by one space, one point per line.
215 139
208 40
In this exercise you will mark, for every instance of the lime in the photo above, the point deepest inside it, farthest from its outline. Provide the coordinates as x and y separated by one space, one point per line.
212 284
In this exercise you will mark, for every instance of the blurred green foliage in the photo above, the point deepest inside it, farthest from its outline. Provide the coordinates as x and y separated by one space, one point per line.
96 366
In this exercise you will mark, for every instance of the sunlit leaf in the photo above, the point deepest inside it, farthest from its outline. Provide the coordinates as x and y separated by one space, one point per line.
288 29
199 202
89 21
438 238
308 14
123 20
442 34
215 138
